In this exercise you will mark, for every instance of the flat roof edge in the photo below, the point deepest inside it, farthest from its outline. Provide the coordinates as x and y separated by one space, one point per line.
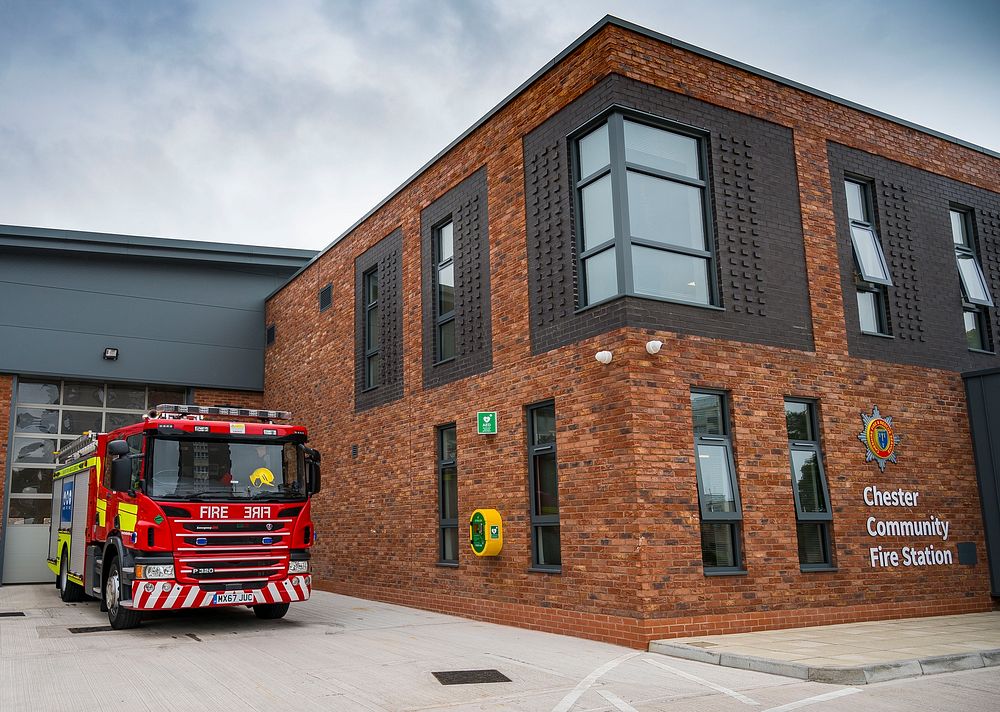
135 245
666 39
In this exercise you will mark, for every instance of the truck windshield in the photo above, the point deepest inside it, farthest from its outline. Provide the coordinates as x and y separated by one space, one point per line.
219 470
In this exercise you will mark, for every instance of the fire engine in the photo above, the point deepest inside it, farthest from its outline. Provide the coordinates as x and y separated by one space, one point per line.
179 511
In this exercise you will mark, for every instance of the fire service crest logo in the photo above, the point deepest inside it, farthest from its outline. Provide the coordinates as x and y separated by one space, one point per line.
878 437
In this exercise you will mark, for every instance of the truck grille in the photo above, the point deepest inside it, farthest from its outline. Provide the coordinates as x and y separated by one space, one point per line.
226 555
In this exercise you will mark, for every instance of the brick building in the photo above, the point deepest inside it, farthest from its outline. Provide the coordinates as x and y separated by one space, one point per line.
766 267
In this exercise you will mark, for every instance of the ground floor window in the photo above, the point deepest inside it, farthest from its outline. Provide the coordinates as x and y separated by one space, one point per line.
544 484
447 494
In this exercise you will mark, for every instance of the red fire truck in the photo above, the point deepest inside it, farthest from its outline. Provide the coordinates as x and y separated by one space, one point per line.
180 511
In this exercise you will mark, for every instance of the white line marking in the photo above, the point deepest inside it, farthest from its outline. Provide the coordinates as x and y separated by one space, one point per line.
694 678
616 701
813 700
570 699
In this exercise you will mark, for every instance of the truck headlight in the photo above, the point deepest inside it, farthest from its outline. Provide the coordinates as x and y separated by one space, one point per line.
154 571
298 567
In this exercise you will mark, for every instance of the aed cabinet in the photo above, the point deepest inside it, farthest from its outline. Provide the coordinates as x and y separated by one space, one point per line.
486 532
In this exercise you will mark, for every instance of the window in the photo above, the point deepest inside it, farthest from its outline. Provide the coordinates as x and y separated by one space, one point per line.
269 335
809 488
325 297
643 213
448 494
544 483
872 276
369 292
444 292
718 494
976 298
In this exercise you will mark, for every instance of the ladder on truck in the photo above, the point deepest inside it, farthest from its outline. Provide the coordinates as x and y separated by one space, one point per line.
84 445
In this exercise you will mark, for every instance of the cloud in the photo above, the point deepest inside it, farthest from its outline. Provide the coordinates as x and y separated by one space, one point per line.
282 124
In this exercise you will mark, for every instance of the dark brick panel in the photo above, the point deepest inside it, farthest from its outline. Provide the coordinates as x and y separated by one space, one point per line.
387 254
465 205
925 301
760 260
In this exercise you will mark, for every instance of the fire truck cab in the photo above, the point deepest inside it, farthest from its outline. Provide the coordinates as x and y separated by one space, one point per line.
183 512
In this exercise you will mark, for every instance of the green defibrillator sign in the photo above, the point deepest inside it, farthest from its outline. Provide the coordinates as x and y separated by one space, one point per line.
486 423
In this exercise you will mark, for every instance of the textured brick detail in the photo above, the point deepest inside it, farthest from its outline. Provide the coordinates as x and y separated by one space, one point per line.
760 261
925 301
465 205
387 255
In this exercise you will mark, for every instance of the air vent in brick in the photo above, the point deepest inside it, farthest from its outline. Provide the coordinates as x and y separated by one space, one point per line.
325 297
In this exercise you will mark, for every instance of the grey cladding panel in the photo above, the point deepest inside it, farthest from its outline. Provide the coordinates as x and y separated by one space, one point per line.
174 321
984 416
759 252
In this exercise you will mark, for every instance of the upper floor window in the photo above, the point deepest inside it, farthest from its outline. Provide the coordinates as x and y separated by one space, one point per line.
872 271
976 295
369 292
444 296
643 221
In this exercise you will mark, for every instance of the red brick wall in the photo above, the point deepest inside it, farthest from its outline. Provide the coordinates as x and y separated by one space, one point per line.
6 383
628 502
238 399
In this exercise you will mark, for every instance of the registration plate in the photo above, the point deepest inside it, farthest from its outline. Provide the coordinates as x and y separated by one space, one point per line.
233 597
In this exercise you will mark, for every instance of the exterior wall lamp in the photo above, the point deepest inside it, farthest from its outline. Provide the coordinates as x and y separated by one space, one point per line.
603 357
653 347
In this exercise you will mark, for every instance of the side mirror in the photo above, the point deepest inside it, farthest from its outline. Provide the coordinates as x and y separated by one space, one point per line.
118 448
313 476
121 473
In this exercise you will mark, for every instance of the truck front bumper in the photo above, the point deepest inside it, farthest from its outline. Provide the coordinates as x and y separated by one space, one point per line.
169 595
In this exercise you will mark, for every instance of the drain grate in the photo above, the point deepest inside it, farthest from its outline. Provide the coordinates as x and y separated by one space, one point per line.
11 614
91 629
469 677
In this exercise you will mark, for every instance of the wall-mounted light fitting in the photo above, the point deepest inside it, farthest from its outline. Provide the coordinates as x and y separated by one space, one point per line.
110 354
603 357
653 347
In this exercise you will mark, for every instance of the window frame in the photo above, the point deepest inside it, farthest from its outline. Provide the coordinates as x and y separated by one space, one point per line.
538 521
967 250
623 241
367 277
823 519
443 522
441 319
868 225
733 519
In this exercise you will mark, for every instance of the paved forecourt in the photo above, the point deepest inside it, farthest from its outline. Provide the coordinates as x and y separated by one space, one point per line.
340 653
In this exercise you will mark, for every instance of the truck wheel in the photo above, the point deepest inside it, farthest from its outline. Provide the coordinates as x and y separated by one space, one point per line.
270 611
69 592
120 618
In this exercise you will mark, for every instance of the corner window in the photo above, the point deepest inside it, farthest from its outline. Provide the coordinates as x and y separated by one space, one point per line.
369 291
543 481
809 487
448 494
976 298
643 221
444 292
718 493
872 273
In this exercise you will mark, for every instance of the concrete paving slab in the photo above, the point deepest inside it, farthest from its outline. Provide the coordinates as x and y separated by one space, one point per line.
854 653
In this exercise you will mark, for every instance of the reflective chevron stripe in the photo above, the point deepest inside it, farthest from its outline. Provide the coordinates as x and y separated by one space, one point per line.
184 596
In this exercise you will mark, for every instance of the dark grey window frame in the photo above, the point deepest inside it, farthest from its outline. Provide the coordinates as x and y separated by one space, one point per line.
979 308
441 319
369 276
540 520
812 518
270 334
868 283
443 522
623 240
734 519
326 297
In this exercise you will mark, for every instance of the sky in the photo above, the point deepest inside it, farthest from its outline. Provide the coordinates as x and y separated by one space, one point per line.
283 123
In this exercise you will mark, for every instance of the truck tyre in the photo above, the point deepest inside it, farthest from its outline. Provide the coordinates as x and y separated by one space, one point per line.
69 592
119 617
270 611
